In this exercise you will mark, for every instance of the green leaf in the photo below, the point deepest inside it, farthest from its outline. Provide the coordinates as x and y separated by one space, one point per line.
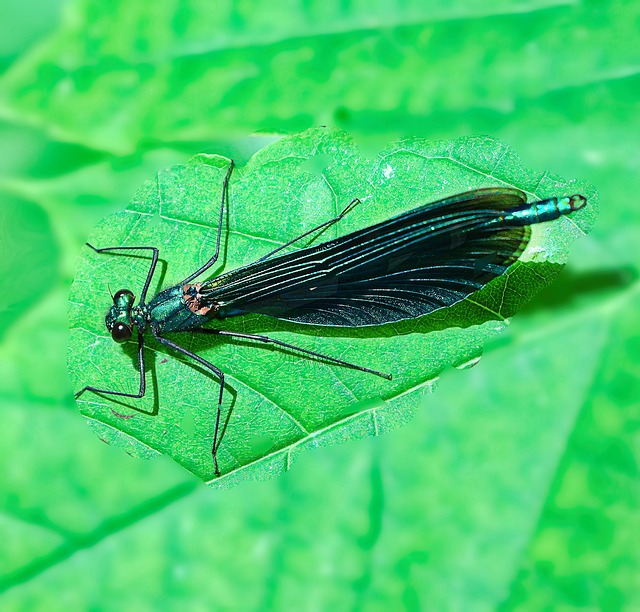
278 402
514 484
21 24
220 68
28 257
579 554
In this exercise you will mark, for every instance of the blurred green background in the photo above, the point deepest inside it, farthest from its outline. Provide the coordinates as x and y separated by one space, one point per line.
516 484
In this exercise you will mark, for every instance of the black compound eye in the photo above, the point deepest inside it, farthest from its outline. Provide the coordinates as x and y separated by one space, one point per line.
120 293
121 332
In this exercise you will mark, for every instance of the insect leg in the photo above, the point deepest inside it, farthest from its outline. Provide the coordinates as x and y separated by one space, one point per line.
152 267
143 380
324 225
214 370
223 203
267 340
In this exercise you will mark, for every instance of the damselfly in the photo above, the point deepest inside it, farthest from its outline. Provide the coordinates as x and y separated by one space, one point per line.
413 264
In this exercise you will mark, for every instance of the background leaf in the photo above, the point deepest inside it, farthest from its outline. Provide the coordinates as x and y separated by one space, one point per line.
169 59
515 487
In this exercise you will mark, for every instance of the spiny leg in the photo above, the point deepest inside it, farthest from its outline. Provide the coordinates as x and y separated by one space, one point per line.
224 201
152 267
218 373
267 340
143 379
324 225
143 295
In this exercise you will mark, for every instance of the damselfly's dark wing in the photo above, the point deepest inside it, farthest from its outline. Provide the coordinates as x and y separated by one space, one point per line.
428 258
